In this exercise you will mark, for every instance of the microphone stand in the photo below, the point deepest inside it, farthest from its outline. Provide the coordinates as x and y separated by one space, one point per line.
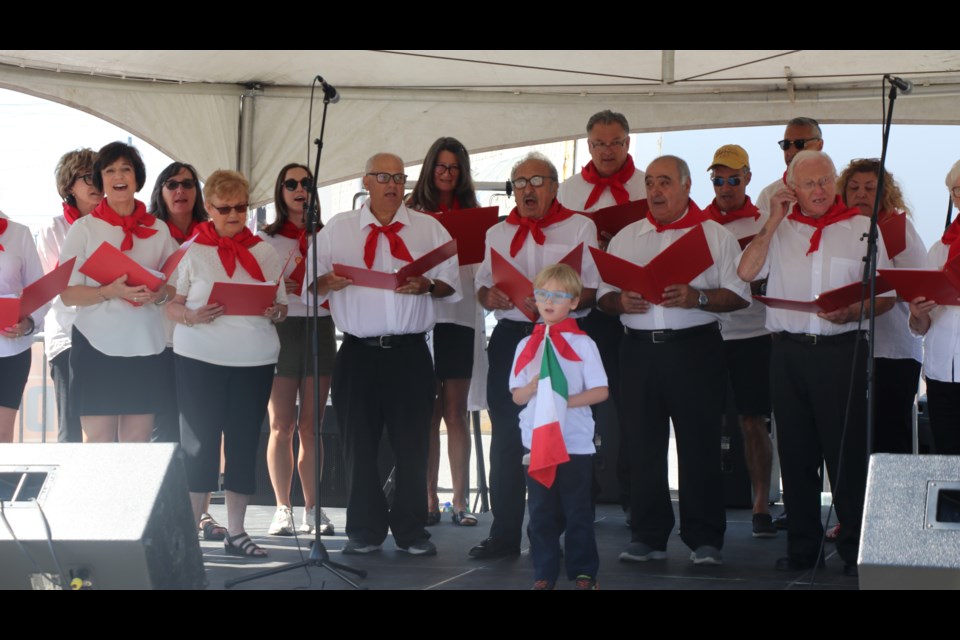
319 556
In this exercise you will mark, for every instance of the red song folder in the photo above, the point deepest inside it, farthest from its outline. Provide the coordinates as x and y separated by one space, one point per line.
518 287
381 280
171 263
109 263
679 263
469 228
893 230
611 220
242 298
827 301
35 295
941 286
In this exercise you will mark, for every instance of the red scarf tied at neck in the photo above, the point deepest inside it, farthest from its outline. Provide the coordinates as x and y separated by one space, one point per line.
534 228
568 325
748 210
837 213
443 208
951 237
182 236
616 183
71 213
232 250
691 218
292 231
134 224
398 248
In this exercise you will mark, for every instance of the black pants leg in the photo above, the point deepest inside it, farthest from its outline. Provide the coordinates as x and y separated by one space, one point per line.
68 422
943 400
894 394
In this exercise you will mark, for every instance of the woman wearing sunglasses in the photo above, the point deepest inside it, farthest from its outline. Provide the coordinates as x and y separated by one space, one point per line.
225 363
446 184
74 175
118 334
294 373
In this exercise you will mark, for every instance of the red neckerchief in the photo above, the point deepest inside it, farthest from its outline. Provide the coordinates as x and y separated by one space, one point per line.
182 236
133 225
616 183
568 325
691 218
398 248
837 213
442 208
292 231
3 228
555 214
748 210
232 250
71 213
950 238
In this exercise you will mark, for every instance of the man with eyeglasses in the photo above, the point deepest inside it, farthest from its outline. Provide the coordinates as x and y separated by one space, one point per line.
672 368
746 341
538 232
383 375
813 243
801 133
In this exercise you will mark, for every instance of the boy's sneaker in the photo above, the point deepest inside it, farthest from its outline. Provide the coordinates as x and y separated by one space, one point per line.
586 583
543 585
282 523
763 526
707 555
641 552
422 548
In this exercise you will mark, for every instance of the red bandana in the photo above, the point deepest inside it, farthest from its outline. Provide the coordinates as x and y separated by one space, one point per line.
3 228
397 246
71 213
691 218
292 231
569 325
836 213
748 210
181 236
616 182
442 208
525 226
232 250
133 225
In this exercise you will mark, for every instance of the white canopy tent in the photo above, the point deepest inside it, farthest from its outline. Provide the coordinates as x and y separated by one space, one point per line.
249 109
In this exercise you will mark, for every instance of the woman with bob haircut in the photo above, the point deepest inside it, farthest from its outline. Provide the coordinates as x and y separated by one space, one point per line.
176 200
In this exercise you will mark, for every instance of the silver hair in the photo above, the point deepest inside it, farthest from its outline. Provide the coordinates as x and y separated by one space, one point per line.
807 122
369 166
953 175
539 157
682 167
807 155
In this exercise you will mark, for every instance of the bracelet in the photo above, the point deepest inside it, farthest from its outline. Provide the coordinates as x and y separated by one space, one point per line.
33 327
276 317
166 296
100 293
185 321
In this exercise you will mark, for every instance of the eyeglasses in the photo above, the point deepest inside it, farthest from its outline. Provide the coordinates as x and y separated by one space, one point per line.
534 181
239 208
542 295
613 144
291 184
187 184
384 178
733 181
86 177
441 168
810 185
800 143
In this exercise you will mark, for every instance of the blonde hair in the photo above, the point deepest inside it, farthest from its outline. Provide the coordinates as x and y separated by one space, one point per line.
225 183
563 275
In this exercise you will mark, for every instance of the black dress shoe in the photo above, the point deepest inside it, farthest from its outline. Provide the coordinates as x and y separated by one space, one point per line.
788 563
493 548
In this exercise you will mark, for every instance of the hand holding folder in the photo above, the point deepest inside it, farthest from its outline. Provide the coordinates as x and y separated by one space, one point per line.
35 295
392 281
825 302
508 279
242 298
942 286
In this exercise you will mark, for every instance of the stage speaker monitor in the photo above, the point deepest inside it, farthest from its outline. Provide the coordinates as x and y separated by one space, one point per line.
119 517
911 523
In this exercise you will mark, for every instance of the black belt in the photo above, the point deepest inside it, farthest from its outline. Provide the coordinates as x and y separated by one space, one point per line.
814 339
670 335
388 342
525 328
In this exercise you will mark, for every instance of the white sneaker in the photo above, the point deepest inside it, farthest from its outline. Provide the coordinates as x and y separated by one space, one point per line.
310 520
282 524
326 527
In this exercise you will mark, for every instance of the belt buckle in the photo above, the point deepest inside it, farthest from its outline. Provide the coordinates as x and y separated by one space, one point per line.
385 342
813 337
655 336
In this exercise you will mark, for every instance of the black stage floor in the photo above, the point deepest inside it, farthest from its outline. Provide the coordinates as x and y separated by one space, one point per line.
748 562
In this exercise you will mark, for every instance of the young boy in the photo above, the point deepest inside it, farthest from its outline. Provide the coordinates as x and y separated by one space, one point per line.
557 374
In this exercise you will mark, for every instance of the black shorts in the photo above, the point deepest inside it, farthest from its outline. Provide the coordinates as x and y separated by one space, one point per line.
103 385
14 371
296 354
748 363
452 351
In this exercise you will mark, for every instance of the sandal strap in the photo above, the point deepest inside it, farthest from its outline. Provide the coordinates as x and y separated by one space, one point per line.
242 542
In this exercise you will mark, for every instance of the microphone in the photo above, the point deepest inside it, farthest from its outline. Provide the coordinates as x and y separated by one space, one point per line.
330 92
905 86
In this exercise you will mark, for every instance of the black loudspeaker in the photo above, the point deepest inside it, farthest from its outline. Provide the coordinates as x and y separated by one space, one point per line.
911 523
119 517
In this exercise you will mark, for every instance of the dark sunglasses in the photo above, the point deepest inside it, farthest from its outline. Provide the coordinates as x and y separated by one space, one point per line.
291 184
87 179
732 181
187 184
239 208
800 143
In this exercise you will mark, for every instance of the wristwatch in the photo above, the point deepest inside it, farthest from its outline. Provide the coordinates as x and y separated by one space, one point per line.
703 300
433 285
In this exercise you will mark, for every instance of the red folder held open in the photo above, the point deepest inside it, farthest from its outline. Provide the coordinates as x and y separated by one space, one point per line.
242 298
381 280
35 295
518 287
610 220
893 230
827 301
108 263
942 286
469 228
679 263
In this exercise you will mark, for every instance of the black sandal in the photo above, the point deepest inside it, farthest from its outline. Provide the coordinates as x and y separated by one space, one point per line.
211 529
242 545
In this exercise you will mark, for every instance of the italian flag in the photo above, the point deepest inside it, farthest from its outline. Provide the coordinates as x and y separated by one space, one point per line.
547 448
